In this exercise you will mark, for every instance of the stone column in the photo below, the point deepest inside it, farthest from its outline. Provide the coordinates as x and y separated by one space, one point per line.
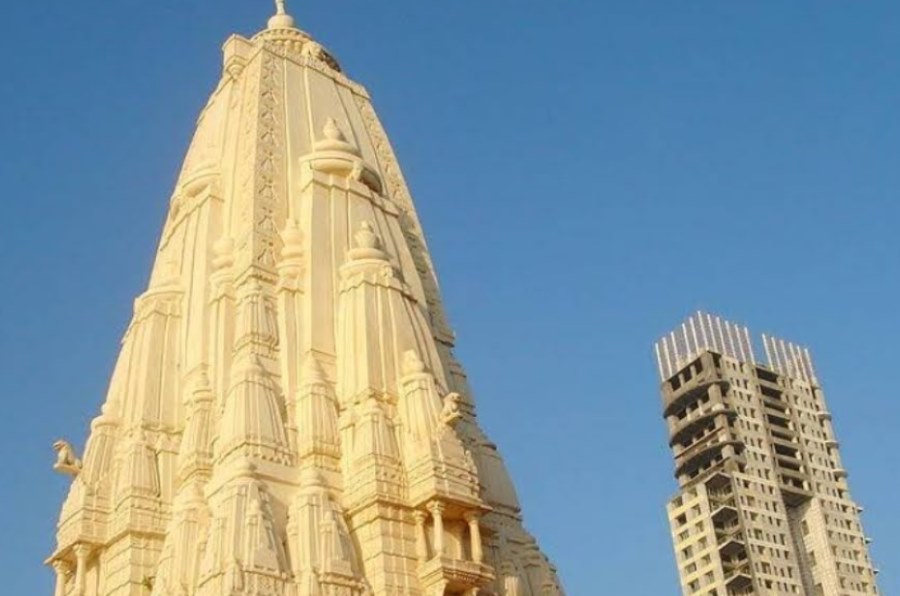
473 518
82 551
421 538
437 513
62 569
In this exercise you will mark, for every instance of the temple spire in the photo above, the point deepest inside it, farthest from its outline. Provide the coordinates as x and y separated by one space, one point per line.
281 19
285 416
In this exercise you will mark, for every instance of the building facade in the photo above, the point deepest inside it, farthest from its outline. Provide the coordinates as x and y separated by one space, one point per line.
764 506
287 416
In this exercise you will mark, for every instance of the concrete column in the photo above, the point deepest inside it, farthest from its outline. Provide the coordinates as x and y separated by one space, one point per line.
473 518
421 538
82 551
62 569
437 513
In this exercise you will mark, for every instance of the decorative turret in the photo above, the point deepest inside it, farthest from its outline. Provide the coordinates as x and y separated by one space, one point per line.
333 154
373 341
244 553
323 556
318 442
195 457
252 423
139 472
374 458
180 558
438 465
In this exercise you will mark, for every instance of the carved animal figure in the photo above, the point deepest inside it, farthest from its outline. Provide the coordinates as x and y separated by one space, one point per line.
66 460
451 413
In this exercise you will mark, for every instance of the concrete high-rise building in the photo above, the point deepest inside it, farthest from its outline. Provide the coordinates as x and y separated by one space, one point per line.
287 416
763 506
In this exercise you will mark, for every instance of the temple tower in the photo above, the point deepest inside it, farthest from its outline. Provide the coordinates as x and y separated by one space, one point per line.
764 508
286 416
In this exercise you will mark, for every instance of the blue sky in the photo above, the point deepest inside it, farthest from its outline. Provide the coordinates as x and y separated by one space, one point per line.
588 173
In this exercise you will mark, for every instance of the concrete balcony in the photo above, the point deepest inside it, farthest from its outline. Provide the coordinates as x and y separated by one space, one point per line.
738 573
725 516
685 428
719 486
730 539
732 546
692 382
691 392
794 494
700 454
783 442
780 416
791 466
783 432
706 449
740 582
725 500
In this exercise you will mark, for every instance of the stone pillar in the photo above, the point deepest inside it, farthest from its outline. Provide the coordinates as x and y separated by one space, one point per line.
82 551
437 513
62 569
421 538
473 518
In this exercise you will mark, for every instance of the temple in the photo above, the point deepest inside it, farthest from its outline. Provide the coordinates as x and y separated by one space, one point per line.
286 416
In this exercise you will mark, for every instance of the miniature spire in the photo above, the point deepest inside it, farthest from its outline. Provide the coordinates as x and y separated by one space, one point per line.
332 131
281 20
368 244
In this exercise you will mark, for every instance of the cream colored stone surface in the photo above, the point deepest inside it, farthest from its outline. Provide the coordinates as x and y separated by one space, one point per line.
286 416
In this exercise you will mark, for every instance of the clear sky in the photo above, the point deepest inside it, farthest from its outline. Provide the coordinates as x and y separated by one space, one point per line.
587 172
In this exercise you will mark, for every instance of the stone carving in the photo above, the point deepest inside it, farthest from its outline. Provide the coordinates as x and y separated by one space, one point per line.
66 460
451 413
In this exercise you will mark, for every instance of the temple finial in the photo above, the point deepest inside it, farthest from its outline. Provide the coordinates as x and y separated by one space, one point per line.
281 20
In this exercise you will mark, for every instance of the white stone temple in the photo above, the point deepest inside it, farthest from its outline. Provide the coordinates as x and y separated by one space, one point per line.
286 416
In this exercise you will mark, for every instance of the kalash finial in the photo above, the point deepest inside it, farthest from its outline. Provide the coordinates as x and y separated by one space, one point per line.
281 20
